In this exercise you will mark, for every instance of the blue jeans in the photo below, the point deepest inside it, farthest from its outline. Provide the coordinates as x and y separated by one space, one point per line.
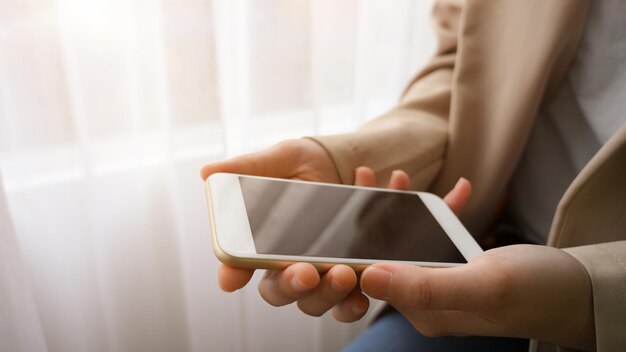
393 333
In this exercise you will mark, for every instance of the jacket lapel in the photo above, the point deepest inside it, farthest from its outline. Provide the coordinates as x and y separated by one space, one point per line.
593 209
511 56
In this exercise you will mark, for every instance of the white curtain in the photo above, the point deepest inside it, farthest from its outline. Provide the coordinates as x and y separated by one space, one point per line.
108 108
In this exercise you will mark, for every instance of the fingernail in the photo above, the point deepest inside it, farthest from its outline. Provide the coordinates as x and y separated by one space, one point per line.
376 282
458 182
298 285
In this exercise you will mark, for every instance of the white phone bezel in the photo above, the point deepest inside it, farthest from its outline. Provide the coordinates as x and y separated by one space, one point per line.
233 237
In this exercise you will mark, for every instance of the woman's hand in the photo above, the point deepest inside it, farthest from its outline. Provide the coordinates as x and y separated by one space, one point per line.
306 160
315 294
301 159
517 291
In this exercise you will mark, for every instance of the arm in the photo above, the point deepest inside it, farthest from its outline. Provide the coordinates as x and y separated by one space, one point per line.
413 135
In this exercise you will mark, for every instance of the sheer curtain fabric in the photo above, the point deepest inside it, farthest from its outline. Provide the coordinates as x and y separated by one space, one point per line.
108 108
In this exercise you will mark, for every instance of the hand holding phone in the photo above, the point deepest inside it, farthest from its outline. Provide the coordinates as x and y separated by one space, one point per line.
309 161
303 159
319 293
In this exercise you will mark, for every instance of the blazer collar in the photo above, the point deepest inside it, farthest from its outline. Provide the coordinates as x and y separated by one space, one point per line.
593 209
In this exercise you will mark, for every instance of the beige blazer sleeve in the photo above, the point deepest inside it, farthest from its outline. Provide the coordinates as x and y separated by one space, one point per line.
606 265
413 135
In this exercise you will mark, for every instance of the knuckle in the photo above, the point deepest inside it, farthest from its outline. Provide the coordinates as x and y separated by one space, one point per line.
421 291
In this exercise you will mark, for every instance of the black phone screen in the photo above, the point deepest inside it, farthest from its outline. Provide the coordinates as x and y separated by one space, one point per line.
320 221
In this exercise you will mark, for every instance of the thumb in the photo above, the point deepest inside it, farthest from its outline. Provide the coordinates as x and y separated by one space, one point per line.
276 161
418 288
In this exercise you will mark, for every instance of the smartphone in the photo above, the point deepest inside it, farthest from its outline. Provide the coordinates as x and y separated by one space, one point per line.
260 222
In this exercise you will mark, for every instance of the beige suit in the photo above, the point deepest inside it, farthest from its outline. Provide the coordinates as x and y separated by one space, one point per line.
469 113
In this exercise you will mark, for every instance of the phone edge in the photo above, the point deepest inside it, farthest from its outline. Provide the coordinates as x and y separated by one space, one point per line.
281 263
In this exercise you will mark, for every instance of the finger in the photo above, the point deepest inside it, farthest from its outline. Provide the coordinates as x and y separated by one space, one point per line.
279 288
276 161
352 308
231 278
399 180
459 195
334 287
364 177
417 288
